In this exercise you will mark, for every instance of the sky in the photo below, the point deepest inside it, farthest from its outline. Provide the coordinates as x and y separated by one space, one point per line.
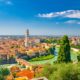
41 17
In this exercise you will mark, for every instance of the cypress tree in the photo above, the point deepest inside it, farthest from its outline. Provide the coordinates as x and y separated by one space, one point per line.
64 51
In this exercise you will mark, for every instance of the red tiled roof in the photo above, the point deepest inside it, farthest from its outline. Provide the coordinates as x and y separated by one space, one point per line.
26 73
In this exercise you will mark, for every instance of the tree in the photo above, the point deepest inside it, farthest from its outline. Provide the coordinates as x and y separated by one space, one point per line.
5 71
1 61
64 51
1 77
78 57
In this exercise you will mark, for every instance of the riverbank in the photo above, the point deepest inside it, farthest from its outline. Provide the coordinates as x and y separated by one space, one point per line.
73 58
74 54
42 58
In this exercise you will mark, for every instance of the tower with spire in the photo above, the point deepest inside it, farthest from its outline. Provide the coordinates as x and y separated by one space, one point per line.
26 37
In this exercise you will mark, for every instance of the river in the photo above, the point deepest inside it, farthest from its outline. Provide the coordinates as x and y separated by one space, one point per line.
73 58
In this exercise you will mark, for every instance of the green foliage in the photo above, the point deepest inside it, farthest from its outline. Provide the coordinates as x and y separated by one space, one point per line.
78 57
69 72
4 71
64 51
1 60
62 71
51 50
58 42
50 40
42 58
14 74
2 77
76 46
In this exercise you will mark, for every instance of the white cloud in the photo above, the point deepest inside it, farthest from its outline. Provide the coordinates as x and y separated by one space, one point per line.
67 13
50 15
72 22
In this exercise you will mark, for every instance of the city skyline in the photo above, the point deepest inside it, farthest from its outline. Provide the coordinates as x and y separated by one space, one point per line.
40 17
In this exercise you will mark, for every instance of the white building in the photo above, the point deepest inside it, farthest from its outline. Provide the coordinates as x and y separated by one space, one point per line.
26 37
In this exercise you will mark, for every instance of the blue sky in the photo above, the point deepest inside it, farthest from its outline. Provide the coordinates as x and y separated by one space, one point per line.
42 17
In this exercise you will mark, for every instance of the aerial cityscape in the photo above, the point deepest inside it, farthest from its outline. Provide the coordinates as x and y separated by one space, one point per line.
39 40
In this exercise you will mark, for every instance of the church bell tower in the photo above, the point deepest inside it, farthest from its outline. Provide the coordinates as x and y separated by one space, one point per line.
26 37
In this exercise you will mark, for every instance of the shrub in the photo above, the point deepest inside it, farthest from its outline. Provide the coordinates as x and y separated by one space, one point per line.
62 71
1 77
4 71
